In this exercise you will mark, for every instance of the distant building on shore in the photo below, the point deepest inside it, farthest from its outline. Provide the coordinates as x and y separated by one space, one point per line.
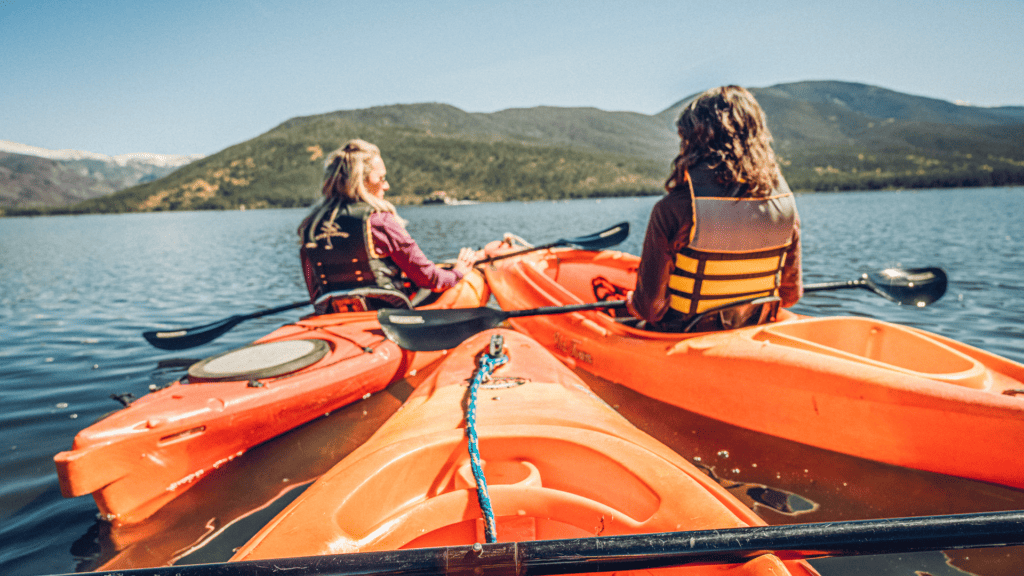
439 197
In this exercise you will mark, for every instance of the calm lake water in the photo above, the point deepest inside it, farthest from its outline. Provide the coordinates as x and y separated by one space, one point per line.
77 292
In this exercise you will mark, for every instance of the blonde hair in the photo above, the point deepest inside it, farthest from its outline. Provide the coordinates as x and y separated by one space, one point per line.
345 173
726 129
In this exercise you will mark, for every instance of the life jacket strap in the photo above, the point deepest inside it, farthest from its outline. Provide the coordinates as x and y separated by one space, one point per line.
705 280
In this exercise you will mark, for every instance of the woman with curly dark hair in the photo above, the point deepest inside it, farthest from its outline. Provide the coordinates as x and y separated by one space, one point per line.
722 249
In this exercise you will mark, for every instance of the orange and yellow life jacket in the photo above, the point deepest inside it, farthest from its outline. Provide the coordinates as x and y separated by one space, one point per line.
736 251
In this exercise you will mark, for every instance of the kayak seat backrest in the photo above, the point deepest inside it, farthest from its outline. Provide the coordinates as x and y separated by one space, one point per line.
571 279
736 315
881 344
360 300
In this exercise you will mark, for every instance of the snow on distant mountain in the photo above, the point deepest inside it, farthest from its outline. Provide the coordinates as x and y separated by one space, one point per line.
161 160
36 177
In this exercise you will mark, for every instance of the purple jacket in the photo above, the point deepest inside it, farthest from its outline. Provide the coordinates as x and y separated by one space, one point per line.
391 239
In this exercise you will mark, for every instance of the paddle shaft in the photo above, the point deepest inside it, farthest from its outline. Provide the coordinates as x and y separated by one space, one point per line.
858 283
563 309
510 313
518 252
597 241
232 319
640 551
915 286
281 308
182 338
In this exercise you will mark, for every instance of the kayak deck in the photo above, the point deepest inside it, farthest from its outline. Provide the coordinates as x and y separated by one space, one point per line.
137 459
558 463
858 386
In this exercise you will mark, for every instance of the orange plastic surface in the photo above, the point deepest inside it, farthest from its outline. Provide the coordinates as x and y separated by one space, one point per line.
858 386
137 459
558 462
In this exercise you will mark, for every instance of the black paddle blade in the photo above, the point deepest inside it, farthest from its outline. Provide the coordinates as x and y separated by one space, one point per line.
913 287
599 240
183 338
596 241
429 330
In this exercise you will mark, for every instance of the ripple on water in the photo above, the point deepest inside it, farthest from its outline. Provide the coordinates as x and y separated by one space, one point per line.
111 277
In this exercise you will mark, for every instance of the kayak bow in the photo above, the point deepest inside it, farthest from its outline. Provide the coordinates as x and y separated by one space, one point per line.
557 462
137 459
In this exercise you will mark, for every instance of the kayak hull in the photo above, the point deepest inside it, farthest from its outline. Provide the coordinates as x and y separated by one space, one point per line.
858 386
137 459
558 463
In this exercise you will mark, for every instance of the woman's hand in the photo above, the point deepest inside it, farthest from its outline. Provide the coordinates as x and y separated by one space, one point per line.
629 306
464 263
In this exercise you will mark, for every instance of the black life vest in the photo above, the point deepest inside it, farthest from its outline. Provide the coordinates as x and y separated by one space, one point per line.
339 260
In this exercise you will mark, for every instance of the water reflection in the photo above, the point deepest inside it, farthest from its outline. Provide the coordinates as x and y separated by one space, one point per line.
222 511
788 483
77 292
784 482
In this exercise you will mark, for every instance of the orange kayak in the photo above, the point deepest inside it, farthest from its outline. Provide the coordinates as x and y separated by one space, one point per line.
853 385
137 459
557 462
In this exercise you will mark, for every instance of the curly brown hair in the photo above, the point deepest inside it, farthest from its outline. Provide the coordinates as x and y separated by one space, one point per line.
726 129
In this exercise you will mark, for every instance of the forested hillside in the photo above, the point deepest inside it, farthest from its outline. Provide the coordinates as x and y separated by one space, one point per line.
844 136
427 147
828 135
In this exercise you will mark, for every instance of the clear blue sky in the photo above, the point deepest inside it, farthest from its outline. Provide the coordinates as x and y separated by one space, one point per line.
184 77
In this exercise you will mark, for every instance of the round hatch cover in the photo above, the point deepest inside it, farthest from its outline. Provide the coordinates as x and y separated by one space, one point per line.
259 361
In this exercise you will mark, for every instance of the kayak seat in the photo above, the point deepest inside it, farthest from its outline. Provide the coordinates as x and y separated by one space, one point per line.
361 300
751 312
735 315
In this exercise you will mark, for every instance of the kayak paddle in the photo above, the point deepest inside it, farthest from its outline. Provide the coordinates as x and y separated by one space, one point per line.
916 286
596 241
182 338
644 551
423 330
443 329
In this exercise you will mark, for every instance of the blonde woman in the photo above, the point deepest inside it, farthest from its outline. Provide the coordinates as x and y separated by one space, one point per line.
728 232
355 246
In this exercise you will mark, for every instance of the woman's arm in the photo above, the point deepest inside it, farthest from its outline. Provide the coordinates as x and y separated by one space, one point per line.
391 239
667 232
791 287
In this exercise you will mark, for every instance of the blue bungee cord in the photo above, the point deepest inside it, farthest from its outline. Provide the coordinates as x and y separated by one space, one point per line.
488 362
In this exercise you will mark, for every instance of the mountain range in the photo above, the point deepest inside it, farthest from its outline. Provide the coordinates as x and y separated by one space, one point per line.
828 136
32 176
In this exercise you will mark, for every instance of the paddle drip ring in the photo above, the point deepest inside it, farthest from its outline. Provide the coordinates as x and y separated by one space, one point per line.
488 362
514 240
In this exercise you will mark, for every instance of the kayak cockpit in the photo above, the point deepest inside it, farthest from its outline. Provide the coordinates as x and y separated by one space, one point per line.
610 275
882 344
